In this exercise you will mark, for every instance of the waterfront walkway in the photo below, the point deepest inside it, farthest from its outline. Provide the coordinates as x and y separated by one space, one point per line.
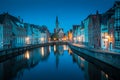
97 50
111 58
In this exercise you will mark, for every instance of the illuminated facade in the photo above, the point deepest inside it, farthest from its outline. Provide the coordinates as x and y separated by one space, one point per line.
36 34
75 33
110 28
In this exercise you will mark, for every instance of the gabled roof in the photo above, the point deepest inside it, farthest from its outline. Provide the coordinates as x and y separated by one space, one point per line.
6 15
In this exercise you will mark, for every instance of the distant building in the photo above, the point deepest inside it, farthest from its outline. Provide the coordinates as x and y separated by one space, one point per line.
58 31
85 30
75 33
36 34
70 35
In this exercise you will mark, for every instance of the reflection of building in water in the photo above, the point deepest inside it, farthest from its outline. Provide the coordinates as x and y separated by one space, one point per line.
57 60
104 76
94 73
49 48
44 52
91 72
79 60
65 47
70 51
15 67
82 63
1 71
58 49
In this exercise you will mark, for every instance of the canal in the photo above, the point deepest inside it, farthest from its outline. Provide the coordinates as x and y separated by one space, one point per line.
56 62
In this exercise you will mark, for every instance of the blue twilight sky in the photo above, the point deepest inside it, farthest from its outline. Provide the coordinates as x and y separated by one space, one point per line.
44 12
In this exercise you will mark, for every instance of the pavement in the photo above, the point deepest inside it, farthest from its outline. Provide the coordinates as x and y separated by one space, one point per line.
114 51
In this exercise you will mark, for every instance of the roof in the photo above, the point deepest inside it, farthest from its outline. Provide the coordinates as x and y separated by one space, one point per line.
6 15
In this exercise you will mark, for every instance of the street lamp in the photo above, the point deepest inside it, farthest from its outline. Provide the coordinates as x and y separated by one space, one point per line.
27 40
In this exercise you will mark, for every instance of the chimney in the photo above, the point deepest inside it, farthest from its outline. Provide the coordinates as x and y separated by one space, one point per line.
19 18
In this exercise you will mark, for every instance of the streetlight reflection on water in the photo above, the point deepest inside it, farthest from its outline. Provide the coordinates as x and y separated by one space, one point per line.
54 48
42 51
65 47
27 55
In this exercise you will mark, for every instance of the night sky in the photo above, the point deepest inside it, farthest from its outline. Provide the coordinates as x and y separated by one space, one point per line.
44 12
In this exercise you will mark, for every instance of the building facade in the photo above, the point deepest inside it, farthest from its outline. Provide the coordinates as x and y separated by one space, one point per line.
14 32
70 35
117 24
94 31
1 36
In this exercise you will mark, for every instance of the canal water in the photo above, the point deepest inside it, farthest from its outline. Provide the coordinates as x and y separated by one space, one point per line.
56 62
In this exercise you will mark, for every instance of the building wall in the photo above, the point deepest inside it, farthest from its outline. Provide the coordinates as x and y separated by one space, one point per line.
7 33
1 36
104 33
117 25
94 31
86 23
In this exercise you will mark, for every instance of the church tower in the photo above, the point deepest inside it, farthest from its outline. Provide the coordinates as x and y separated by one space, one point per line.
57 23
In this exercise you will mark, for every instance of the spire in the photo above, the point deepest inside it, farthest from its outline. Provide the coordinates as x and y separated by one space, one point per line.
57 23
97 12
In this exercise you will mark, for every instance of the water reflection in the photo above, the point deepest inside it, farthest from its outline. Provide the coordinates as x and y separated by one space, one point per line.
44 52
51 63
93 72
59 49
27 55
65 47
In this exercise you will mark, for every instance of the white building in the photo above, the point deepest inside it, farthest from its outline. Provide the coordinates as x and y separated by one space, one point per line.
82 34
29 34
75 33
35 34
43 37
